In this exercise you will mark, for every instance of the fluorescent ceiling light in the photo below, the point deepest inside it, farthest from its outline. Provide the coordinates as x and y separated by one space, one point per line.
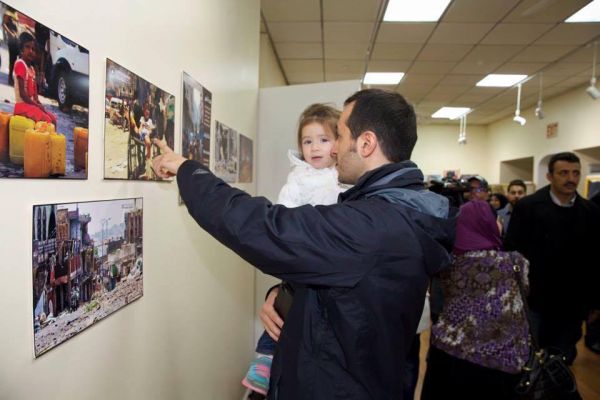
589 13
450 112
383 78
501 80
415 11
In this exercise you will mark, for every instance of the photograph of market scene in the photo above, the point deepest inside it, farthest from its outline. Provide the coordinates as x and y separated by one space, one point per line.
135 113
87 264
44 95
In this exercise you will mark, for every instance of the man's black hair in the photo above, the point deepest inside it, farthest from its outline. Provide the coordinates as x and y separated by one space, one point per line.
517 182
389 116
565 156
25 38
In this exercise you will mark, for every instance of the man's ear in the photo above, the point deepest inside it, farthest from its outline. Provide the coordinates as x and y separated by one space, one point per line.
367 143
549 176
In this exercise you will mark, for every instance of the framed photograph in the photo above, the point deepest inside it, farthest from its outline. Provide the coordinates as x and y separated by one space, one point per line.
226 149
135 113
592 186
87 264
44 85
246 159
195 121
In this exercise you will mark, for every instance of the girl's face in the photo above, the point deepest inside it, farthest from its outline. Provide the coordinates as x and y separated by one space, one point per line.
28 52
317 141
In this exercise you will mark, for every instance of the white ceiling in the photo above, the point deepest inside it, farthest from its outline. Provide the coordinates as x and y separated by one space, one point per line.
329 40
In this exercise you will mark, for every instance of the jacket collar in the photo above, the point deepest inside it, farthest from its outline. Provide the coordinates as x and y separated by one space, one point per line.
403 174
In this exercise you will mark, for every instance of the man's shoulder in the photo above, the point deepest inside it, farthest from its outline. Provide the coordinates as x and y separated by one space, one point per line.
539 196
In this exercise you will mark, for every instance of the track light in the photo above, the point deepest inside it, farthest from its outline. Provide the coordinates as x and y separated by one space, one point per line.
539 113
462 135
592 90
518 117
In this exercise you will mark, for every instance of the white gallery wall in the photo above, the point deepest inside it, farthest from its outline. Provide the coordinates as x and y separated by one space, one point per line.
190 335
437 150
578 118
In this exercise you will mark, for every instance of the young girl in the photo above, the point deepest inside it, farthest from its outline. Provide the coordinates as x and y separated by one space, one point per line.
146 128
312 180
27 103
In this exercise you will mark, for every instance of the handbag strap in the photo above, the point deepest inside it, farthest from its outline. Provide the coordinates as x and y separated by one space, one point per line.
518 270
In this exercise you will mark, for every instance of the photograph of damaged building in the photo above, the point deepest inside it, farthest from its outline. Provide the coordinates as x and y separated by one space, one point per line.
87 264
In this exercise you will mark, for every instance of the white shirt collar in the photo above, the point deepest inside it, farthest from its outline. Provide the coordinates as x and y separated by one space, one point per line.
556 201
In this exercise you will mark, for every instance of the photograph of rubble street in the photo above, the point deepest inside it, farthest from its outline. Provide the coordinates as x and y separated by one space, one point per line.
87 264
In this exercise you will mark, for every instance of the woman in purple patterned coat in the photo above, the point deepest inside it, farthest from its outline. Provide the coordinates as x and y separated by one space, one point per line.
480 342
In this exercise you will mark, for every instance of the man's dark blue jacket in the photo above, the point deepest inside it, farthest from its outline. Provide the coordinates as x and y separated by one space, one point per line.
360 269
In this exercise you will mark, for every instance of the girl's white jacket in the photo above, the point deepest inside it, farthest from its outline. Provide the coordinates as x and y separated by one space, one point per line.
308 185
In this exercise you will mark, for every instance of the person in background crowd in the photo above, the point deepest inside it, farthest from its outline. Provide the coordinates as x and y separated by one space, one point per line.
480 342
516 191
498 201
478 188
555 229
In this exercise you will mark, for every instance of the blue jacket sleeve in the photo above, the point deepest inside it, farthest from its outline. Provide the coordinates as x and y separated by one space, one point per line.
307 245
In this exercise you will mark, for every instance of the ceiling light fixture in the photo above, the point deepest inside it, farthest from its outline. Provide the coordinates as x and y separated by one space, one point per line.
383 78
518 117
539 113
451 112
415 11
592 90
462 134
501 80
589 13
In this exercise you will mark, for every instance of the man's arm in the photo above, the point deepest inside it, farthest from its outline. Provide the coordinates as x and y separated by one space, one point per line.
331 246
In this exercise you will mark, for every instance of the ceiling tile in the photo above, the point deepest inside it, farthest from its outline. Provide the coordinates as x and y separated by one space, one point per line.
474 11
299 50
386 51
404 32
424 80
345 51
299 66
295 31
480 67
290 10
347 32
444 52
454 90
574 34
584 54
566 69
545 11
516 33
463 79
330 77
486 53
519 68
542 53
298 78
443 97
431 67
388 66
460 33
344 66
573 82
350 10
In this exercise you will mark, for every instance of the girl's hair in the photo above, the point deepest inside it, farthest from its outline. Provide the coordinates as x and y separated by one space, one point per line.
323 114
25 38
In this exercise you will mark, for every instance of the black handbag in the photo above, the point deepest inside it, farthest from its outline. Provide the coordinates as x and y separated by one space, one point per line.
546 376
